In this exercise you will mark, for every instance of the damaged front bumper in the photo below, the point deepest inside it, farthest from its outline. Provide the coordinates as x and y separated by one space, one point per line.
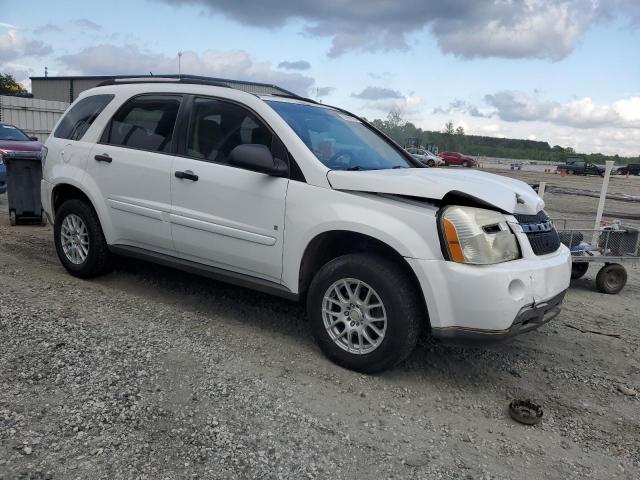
529 318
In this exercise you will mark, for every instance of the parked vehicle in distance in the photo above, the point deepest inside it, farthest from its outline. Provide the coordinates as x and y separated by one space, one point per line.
579 166
456 158
12 139
631 169
425 156
306 201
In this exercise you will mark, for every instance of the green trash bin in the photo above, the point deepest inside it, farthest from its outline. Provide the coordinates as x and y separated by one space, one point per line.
24 173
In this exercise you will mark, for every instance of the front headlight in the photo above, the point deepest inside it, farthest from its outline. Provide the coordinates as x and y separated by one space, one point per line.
477 236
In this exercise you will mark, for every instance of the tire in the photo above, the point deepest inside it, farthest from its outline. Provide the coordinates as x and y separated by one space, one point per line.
465 164
611 278
579 269
12 218
400 302
97 259
430 163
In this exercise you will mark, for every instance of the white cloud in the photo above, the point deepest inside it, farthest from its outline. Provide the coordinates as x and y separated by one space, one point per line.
236 64
13 45
514 106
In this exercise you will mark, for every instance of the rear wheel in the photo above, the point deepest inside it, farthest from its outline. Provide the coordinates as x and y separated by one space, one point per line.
611 278
579 269
80 243
465 164
365 312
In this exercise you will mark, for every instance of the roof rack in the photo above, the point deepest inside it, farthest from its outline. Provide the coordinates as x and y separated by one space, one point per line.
196 80
188 80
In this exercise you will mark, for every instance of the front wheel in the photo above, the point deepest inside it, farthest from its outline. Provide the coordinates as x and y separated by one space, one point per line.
80 243
430 163
365 312
465 164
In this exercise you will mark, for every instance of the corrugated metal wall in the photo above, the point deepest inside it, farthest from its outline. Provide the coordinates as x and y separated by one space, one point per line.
36 117
62 89
53 89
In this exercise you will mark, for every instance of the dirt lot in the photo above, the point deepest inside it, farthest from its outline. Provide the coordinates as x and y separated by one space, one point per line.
154 374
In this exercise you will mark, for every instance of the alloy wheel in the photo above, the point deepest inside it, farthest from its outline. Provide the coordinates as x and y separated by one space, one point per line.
354 316
74 238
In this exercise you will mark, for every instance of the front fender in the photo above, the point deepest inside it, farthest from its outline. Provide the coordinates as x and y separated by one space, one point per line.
407 227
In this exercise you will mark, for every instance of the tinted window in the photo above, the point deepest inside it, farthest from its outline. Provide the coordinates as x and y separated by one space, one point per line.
217 127
145 123
340 141
78 120
9 132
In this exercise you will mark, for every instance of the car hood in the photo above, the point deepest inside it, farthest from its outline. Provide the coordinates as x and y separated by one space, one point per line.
506 194
20 146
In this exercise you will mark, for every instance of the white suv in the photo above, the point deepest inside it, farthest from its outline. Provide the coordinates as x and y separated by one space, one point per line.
306 201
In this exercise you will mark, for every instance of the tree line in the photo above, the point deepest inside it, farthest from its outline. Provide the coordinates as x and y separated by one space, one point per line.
453 138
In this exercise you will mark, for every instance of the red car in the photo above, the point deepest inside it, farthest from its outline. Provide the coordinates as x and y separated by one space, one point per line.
12 139
455 158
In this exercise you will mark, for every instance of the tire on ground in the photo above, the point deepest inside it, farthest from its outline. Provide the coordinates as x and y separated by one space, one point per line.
611 278
98 259
404 310
579 269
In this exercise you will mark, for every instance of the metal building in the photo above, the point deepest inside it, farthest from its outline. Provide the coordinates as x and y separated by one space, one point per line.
34 116
67 89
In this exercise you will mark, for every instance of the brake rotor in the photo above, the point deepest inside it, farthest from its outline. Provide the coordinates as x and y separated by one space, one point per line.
525 411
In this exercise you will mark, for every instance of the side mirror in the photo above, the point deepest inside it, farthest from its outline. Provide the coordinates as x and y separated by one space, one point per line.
35 139
256 157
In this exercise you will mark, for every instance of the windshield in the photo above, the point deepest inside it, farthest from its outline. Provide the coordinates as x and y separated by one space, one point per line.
9 132
340 141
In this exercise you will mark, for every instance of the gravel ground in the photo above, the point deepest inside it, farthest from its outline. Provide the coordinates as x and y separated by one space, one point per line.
154 374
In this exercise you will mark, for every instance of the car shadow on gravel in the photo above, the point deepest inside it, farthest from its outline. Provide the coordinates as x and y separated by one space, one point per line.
202 294
438 361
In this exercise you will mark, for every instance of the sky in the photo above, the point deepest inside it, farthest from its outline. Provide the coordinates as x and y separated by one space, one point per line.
562 71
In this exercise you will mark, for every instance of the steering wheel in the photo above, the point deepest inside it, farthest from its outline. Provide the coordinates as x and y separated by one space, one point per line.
339 154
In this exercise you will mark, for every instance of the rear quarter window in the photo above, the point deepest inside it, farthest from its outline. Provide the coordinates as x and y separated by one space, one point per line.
79 118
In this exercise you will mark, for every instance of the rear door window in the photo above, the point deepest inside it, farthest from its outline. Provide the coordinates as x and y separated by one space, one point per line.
79 118
146 122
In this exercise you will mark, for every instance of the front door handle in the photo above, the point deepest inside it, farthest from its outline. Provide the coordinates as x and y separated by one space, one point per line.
103 158
187 175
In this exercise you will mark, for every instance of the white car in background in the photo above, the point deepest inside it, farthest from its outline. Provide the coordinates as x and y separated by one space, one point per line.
430 159
307 201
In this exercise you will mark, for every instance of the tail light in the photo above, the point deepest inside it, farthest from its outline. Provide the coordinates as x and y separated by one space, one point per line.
43 155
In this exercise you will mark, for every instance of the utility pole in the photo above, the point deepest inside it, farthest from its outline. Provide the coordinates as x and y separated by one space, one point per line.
179 66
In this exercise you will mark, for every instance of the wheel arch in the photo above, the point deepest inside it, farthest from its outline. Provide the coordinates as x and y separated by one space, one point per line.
331 244
67 190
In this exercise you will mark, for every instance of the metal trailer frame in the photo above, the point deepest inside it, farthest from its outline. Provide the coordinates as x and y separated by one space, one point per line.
603 245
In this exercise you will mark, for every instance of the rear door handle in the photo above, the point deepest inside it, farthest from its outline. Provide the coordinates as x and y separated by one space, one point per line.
187 175
103 158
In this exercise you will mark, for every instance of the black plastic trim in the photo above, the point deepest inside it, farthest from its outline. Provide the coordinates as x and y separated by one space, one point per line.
208 271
